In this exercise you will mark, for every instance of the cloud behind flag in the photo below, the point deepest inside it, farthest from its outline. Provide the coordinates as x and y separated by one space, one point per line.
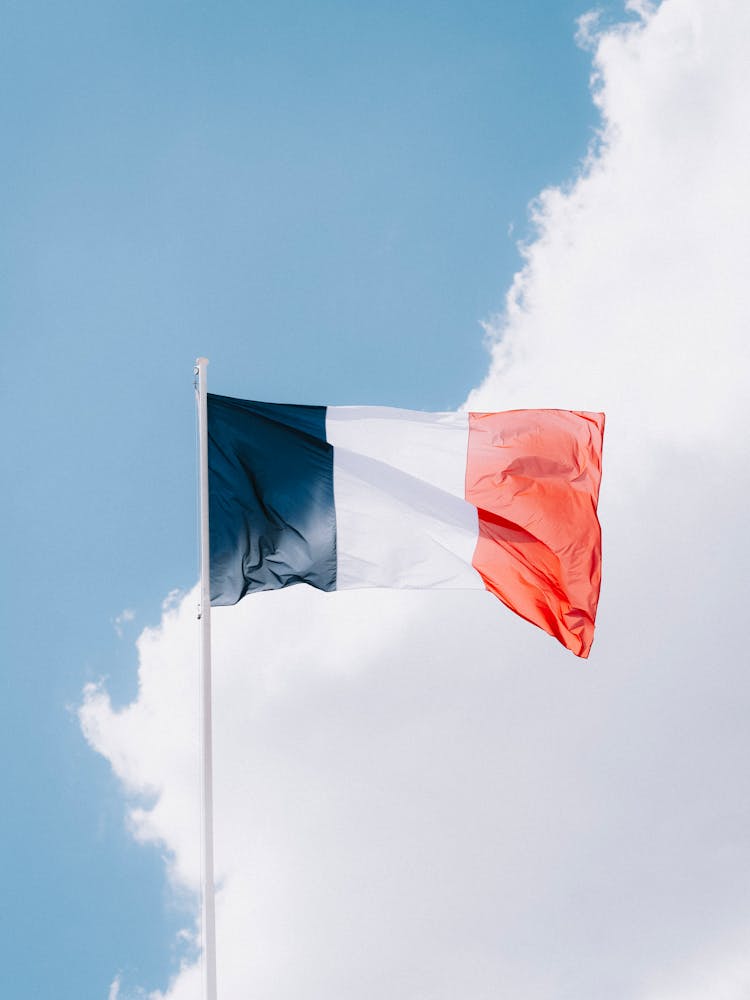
349 497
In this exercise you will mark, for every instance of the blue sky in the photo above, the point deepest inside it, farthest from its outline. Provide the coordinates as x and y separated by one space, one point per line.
319 198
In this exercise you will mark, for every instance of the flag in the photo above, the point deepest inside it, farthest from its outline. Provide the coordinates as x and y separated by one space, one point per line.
342 497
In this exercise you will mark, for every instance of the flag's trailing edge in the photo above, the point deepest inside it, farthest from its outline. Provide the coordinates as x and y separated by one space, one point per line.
364 496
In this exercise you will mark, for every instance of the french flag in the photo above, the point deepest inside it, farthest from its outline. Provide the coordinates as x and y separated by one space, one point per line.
341 497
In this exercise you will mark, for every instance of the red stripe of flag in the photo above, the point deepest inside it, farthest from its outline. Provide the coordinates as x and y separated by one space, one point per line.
534 477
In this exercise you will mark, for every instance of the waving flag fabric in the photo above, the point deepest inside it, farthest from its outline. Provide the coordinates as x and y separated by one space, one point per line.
362 496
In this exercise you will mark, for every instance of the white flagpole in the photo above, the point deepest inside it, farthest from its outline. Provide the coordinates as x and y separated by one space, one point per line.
207 796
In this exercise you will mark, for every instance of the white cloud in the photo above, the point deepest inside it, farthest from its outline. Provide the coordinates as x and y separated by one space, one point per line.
418 795
114 989
634 289
124 618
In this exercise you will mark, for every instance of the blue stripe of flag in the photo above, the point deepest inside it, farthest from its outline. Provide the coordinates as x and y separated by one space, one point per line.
272 519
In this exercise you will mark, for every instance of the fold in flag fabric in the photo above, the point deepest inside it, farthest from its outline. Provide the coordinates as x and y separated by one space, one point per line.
365 496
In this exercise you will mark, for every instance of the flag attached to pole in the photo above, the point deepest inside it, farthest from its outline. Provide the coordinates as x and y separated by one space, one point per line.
341 497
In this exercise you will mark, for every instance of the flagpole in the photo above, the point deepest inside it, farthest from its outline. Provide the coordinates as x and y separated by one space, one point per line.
207 805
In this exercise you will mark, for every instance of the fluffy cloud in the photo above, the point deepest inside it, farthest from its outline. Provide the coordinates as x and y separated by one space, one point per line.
418 795
633 289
